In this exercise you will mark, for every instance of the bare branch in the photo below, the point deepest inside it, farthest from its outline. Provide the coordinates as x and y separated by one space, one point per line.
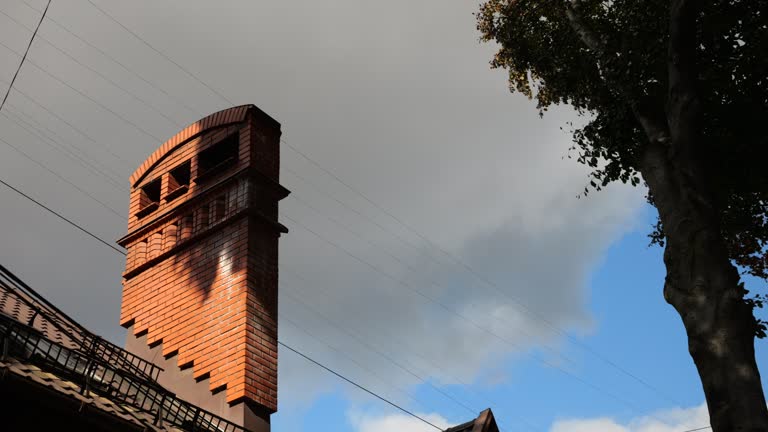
648 116
582 29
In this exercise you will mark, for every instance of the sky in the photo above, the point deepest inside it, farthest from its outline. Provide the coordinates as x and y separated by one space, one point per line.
438 253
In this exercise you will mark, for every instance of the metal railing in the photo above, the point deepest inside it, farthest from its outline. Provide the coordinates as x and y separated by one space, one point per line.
87 342
94 375
95 364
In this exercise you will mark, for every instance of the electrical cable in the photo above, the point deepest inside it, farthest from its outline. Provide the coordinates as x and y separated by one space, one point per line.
24 57
279 342
60 216
358 385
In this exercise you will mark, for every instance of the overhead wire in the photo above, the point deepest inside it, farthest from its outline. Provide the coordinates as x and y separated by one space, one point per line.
16 117
458 314
95 72
94 236
80 63
24 57
357 363
281 343
83 94
60 177
116 61
370 201
457 260
162 54
410 267
62 217
412 414
68 123
361 340
520 304
387 357
65 54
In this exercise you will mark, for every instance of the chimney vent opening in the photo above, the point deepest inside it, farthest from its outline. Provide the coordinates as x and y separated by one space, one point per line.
178 180
218 157
150 198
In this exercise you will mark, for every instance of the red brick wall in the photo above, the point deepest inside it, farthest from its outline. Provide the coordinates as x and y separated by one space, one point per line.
201 272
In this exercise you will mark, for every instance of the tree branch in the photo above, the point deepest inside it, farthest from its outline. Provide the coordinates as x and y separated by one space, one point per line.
649 117
683 106
590 39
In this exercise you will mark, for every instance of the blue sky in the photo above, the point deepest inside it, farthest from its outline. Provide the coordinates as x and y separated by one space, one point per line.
634 329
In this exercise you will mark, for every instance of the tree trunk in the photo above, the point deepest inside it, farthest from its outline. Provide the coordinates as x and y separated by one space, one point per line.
703 286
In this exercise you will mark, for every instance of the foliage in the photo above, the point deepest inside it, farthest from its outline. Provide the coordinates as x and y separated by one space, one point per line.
547 60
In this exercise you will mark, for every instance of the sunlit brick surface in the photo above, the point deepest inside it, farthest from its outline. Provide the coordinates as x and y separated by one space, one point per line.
201 271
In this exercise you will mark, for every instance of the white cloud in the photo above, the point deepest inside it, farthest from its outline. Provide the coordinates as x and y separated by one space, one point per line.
395 422
671 420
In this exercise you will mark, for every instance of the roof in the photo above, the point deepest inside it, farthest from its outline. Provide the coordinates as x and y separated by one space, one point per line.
124 412
485 422
218 119
43 348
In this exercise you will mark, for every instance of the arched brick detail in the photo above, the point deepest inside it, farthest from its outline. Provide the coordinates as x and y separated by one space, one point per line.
222 118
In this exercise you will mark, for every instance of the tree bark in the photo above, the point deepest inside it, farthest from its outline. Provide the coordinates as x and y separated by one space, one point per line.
701 283
703 286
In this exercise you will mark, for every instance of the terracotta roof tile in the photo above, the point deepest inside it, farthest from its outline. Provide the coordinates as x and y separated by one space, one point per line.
68 388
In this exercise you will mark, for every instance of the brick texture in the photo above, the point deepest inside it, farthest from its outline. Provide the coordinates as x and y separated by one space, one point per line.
201 272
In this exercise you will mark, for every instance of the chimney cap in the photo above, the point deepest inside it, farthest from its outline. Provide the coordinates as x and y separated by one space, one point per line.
218 119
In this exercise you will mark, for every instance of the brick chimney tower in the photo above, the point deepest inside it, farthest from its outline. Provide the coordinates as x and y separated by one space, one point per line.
200 281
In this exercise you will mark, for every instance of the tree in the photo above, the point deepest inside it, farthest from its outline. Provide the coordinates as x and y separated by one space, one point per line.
675 94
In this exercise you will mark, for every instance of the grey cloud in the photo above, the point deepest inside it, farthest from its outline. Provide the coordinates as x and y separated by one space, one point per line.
397 99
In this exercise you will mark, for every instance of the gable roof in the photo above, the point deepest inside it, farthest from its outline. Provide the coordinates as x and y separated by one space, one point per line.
485 422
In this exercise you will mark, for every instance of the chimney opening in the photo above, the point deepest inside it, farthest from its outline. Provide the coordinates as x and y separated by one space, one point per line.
150 198
178 181
218 157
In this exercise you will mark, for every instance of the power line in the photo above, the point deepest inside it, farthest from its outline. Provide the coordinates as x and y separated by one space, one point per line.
104 242
69 124
36 130
24 57
460 315
292 147
279 342
162 54
116 61
359 386
407 347
411 268
57 175
403 391
55 213
379 352
522 306
369 200
81 93
94 71
55 77
382 209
